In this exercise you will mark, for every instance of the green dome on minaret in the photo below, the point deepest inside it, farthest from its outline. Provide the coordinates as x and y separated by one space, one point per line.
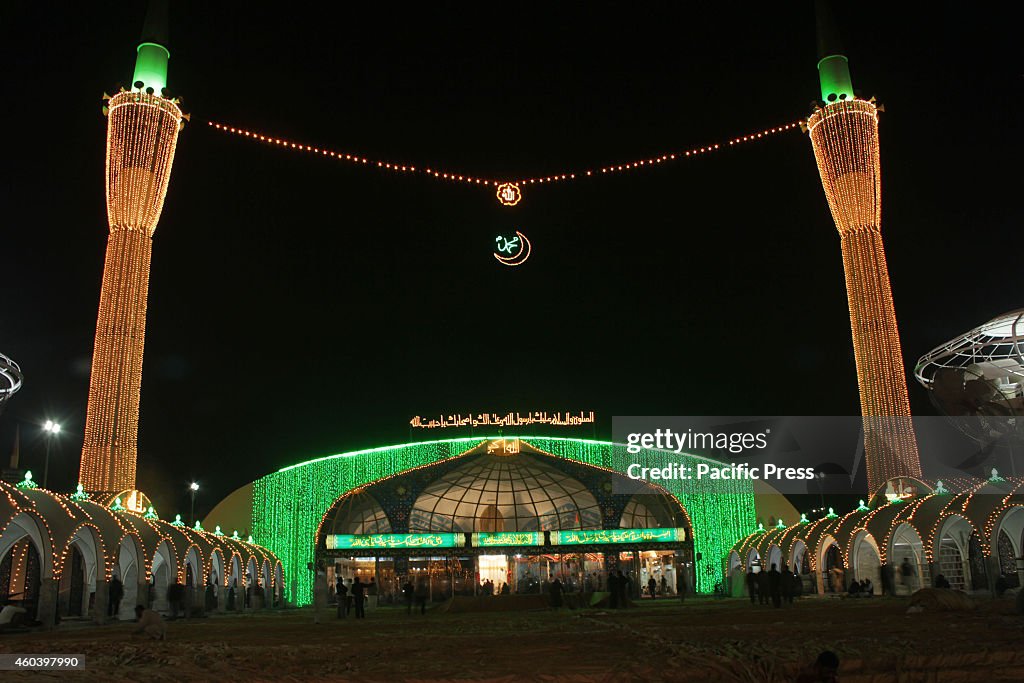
151 62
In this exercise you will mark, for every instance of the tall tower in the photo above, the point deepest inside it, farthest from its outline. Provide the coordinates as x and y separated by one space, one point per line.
844 135
142 132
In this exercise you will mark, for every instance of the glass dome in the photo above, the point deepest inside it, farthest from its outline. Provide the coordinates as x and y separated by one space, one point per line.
504 493
357 513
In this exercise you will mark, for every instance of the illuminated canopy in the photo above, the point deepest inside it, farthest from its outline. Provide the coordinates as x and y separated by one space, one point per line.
293 505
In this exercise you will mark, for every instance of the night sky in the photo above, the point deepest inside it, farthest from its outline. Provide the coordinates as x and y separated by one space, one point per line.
300 306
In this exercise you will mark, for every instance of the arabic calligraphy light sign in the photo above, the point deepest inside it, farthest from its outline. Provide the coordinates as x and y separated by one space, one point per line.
487 539
602 536
509 194
509 420
401 541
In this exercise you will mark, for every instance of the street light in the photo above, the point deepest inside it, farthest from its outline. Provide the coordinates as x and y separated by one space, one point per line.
52 429
193 489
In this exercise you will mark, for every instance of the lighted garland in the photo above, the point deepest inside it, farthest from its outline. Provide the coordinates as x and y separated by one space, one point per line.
512 187
289 505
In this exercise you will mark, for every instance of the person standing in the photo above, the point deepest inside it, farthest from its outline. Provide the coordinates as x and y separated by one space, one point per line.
652 588
752 584
342 593
623 585
787 585
613 591
116 593
763 587
359 596
408 591
681 587
909 575
556 594
888 579
422 593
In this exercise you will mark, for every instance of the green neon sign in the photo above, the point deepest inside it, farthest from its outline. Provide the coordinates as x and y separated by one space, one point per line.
408 541
600 536
487 539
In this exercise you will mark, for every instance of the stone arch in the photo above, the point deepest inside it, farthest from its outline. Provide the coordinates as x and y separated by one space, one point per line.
753 559
905 544
1008 543
25 543
831 572
82 561
951 551
192 565
130 568
216 576
164 573
774 557
798 556
29 525
251 579
866 560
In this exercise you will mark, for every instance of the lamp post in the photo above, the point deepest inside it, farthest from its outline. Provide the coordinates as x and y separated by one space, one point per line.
52 429
193 489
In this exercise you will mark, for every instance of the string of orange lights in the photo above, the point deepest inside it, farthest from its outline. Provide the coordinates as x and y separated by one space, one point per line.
509 190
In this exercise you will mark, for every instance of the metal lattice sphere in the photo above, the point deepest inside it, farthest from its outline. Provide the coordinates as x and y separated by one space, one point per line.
10 379
980 375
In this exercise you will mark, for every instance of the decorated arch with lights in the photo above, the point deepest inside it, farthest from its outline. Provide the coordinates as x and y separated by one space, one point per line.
289 506
971 532
56 550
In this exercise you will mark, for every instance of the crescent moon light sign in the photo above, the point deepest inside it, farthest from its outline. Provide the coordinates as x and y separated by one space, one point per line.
518 250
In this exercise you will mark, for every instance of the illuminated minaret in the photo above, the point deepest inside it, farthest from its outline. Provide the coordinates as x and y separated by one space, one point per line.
142 132
844 134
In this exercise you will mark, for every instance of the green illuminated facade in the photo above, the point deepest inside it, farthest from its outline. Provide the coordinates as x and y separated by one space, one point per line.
290 504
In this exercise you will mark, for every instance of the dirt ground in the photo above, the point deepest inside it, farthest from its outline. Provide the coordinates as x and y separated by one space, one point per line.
703 640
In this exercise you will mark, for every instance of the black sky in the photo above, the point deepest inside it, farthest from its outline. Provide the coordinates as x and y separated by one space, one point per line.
301 307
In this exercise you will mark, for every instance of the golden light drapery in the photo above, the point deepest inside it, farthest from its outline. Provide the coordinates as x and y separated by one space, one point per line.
844 136
142 132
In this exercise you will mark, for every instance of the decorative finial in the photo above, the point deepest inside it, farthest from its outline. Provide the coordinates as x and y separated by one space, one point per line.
150 514
177 521
995 476
217 531
803 518
27 482
862 507
831 514
939 488
780 524
117 507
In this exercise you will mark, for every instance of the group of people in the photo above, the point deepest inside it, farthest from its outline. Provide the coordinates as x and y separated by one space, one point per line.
773 586
486 587
352 595
861 589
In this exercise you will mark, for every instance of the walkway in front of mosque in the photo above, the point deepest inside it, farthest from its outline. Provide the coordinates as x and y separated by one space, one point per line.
703 640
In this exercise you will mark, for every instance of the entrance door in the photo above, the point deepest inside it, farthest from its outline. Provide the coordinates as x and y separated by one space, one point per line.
495 568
